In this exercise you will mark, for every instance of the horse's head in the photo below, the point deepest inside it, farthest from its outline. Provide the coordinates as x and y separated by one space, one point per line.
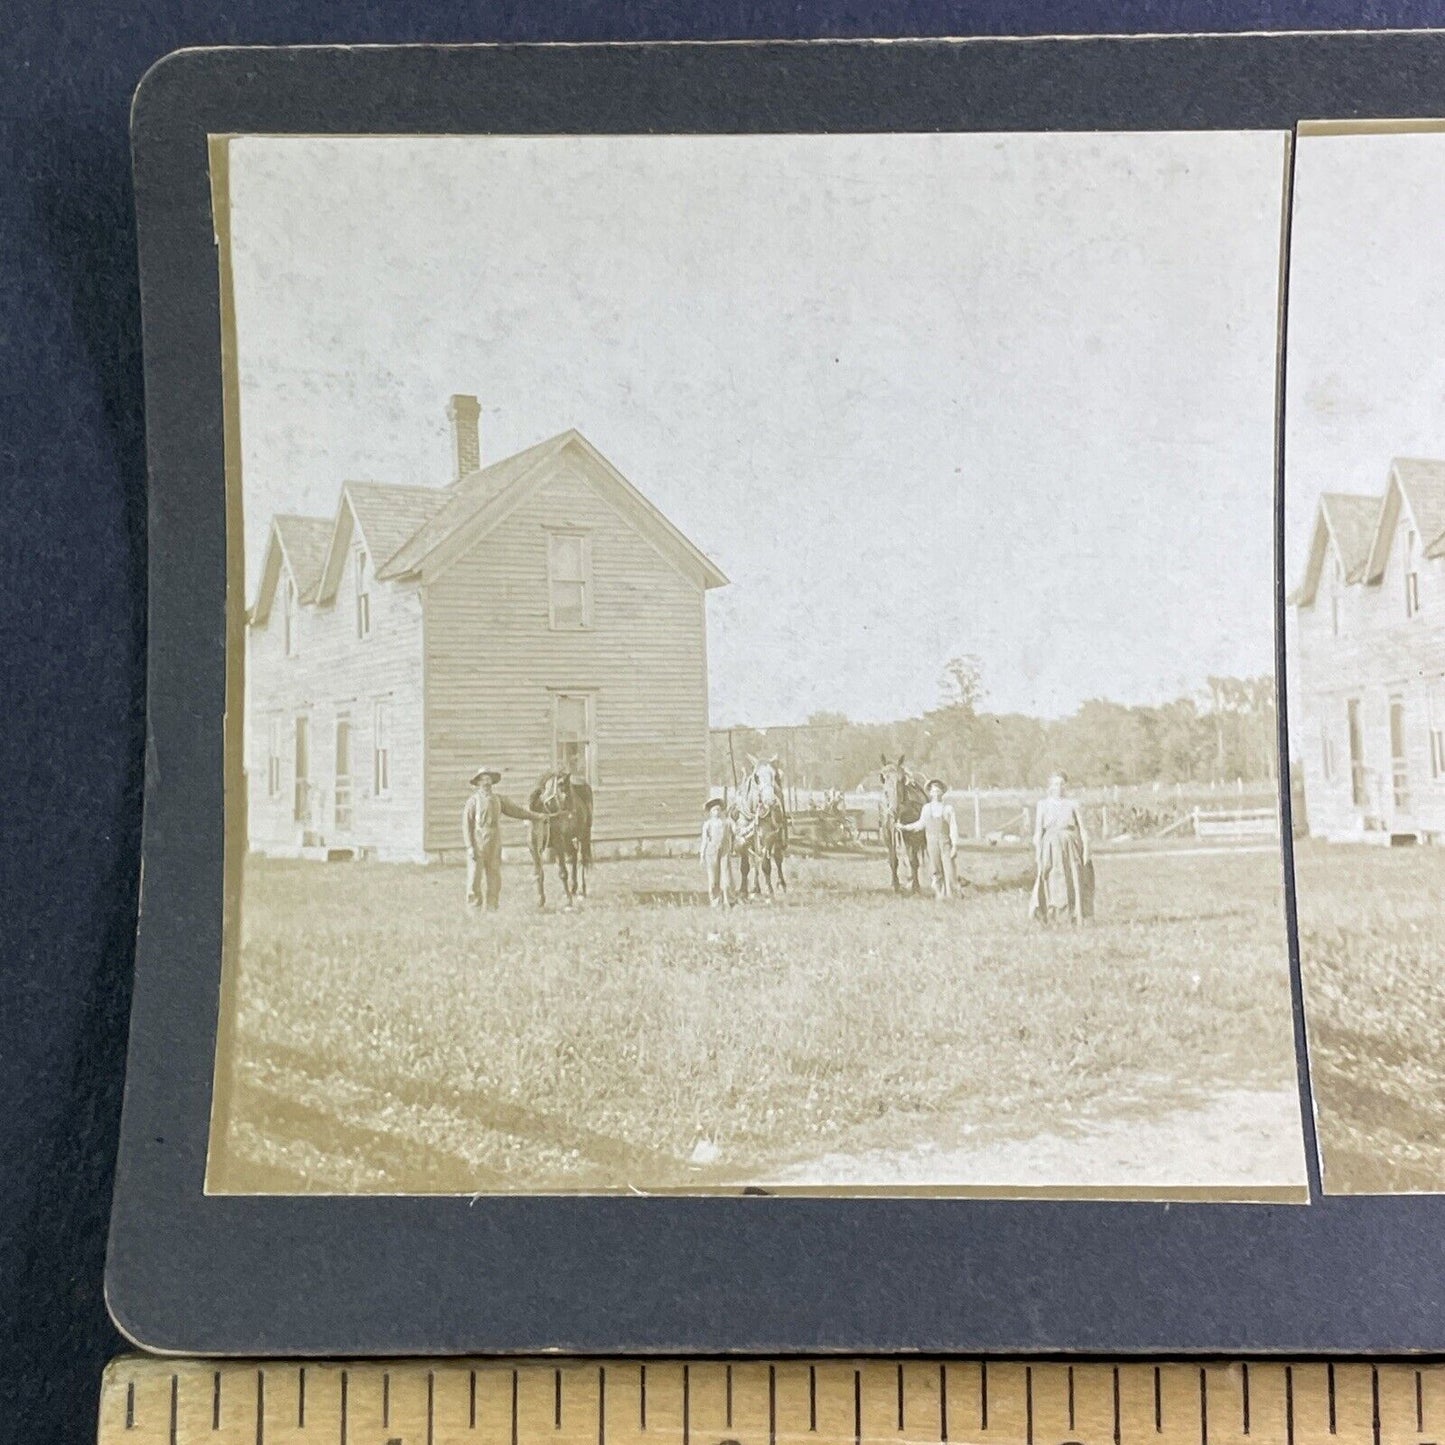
764 783
901 795
553 793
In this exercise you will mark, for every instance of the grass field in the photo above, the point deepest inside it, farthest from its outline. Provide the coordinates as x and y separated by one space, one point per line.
385 1039
1372 940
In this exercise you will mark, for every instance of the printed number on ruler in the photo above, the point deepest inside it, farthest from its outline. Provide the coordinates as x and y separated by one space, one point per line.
834 1402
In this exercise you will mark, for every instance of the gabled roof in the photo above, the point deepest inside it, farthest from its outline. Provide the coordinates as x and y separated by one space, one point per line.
303 541
483 499
1422 480
419 530
389 515
1345 523
1352 519
298 545
385 514
1417 484
461 502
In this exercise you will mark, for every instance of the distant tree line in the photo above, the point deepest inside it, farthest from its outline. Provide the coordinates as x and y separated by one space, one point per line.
1226 733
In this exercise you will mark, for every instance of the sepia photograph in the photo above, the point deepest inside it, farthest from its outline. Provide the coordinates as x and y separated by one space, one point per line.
1365 552
757 662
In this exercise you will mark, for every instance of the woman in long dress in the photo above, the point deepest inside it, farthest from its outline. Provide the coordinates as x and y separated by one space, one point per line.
1064 884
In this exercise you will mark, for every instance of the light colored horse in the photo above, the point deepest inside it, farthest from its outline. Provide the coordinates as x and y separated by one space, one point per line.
762 826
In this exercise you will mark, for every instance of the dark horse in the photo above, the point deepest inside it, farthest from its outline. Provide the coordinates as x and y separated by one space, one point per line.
565 831
903 801
762 828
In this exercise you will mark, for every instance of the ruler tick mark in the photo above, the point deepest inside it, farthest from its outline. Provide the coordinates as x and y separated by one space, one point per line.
1419 1403
344 1383
1288 1405
900 1396
1158 1403
301 1398
812 1398
430 1407
386 1399
130 1404
943 1404
216 1400
601 1405
686 1407
556 1399
1375 1404
514 1407
1330 1382
772 1405
858 1407
1118 1429
1203 1407
472 1400
176 1407
1071 1399
1244 1393
260 1407
642 1397
1029 1405
983 1395
728 1383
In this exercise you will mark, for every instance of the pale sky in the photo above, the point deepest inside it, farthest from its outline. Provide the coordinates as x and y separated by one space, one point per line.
1365 376
1009 395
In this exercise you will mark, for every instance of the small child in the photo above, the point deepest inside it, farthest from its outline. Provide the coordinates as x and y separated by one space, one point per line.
715 853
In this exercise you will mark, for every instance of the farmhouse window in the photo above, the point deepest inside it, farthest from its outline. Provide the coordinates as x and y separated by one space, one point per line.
301 801
273 758
569 580
1437 732
572 734
1412 576
1399 756
1358 793
381 751
289 618
363 593
343 774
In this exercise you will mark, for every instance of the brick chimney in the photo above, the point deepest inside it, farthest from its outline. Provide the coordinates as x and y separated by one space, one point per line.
463 413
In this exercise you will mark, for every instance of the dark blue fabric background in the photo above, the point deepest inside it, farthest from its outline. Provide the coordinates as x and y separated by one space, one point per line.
72 544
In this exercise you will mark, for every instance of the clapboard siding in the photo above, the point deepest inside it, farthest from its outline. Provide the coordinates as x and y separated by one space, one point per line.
335 673
1379 654
494 665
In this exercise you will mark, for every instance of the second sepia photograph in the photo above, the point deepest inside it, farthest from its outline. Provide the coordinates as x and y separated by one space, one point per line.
1365 550
757 666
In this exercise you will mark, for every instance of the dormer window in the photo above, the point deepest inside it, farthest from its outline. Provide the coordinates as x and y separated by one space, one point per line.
1412 574
360 567
290 617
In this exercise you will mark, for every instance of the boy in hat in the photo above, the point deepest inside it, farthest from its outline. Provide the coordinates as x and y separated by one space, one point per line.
482 833
939 825
715 851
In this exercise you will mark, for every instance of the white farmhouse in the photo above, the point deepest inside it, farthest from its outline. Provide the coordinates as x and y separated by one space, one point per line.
1367 699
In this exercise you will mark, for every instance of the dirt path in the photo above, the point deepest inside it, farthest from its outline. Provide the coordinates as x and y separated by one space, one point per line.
1243 1142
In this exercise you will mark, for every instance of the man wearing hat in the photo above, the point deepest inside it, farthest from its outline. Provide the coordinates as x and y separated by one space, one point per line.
482 832
939 825
715 851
